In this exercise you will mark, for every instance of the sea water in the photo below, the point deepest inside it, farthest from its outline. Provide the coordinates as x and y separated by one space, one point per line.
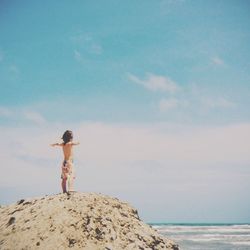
207 236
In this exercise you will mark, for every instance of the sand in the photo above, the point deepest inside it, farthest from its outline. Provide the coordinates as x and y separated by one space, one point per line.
76 221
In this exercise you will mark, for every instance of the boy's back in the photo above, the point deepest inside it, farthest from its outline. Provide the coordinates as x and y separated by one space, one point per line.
68 151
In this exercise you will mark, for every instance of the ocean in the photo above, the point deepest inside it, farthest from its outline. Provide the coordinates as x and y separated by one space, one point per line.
207 236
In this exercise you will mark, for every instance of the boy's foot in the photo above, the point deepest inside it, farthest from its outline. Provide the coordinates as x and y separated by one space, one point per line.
71 191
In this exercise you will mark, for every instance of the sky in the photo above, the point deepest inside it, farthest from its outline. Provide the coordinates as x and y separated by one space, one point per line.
156 91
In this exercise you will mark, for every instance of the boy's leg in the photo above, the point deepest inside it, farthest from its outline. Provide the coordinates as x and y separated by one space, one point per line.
71 177
64 183
64 176
71 183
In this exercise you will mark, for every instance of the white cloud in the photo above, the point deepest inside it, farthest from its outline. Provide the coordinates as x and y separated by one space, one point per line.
78 56
157 160
81 38
87 43
111 148
156 83
14 69
96 49
5 112
171 103
167 104
34 117
217 61
220 102
22 115
187 145
14 72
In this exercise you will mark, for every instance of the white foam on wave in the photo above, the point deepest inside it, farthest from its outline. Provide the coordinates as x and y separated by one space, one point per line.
229 230
235 229
241 243
203 239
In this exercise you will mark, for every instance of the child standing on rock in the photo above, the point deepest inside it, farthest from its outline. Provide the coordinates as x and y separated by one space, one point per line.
68 174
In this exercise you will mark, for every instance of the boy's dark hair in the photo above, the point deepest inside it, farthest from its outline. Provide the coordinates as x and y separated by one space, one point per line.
67 136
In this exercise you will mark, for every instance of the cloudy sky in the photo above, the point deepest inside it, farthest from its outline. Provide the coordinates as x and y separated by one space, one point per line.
156 91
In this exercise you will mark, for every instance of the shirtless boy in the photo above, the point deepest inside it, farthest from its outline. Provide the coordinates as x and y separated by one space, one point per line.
68 174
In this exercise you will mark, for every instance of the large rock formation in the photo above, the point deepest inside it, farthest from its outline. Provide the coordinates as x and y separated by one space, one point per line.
77 221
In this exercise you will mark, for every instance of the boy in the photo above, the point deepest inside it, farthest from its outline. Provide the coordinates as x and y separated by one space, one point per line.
67 175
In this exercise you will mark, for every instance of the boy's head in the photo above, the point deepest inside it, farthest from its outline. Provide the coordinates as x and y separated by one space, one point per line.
67 136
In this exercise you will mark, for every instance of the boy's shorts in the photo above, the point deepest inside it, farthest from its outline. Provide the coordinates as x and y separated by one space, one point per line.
67 170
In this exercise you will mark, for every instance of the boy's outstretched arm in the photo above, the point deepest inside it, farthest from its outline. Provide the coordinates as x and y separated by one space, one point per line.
56 144
75 143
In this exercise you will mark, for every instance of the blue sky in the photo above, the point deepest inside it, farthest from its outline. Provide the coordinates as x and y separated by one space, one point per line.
162 87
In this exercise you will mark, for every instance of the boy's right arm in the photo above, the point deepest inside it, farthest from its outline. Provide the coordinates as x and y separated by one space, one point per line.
56 144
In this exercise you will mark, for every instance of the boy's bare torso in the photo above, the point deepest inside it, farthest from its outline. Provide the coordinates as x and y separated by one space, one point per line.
68 151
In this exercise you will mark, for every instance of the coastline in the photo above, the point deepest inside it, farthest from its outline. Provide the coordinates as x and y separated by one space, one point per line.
217 236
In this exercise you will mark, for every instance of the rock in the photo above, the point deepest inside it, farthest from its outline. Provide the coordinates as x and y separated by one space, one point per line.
76 221
11 221
20 201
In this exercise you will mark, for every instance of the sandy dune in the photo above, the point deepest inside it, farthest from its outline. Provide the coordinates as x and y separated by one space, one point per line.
77 221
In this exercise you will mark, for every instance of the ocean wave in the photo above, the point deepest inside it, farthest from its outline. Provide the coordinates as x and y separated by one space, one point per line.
241 243
212 230
190 237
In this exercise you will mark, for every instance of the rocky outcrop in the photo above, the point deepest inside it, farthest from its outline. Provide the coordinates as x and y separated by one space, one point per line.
77 221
